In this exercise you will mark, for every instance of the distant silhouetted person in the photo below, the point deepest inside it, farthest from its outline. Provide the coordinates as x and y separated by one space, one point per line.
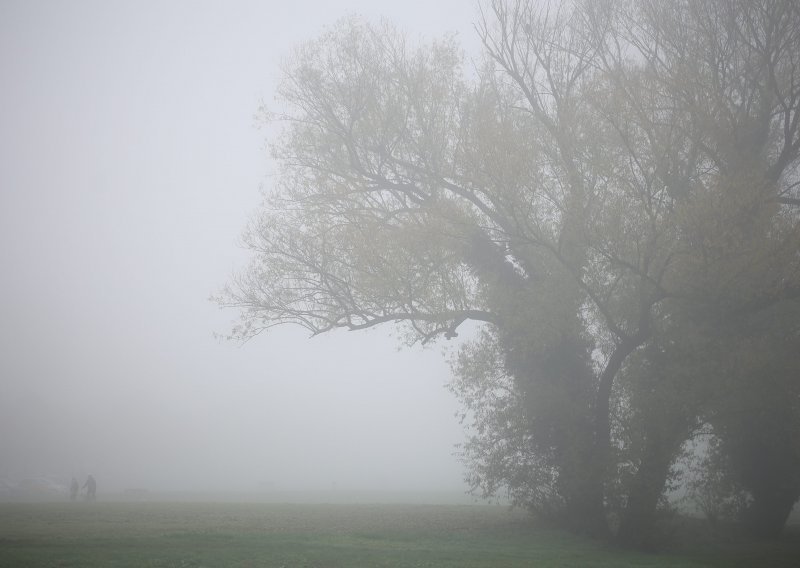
91 488
73 489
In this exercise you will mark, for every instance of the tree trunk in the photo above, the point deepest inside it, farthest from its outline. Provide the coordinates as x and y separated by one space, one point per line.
637 527
585 512
765 454
768 513
601 454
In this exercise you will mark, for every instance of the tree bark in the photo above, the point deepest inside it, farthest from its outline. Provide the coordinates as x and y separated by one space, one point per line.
637 527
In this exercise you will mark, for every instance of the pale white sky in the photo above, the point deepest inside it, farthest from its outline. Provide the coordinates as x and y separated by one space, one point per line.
130 162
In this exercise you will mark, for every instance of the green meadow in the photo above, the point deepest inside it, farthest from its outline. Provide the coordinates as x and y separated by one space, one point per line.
183 535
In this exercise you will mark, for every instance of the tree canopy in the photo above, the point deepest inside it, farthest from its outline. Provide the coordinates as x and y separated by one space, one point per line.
609 192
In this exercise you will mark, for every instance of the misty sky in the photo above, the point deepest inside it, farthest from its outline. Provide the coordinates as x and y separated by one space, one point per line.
130 162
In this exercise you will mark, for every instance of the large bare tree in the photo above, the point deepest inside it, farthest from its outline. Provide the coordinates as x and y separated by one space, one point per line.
605 164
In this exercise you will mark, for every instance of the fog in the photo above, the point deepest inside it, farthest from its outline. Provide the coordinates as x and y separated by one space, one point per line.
130 162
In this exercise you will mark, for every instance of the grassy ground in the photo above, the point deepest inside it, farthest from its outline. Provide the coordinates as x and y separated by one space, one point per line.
243 535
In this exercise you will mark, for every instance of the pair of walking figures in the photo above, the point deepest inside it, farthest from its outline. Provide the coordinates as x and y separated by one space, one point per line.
90 485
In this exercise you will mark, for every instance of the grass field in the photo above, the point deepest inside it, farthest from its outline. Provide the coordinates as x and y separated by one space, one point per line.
184 535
